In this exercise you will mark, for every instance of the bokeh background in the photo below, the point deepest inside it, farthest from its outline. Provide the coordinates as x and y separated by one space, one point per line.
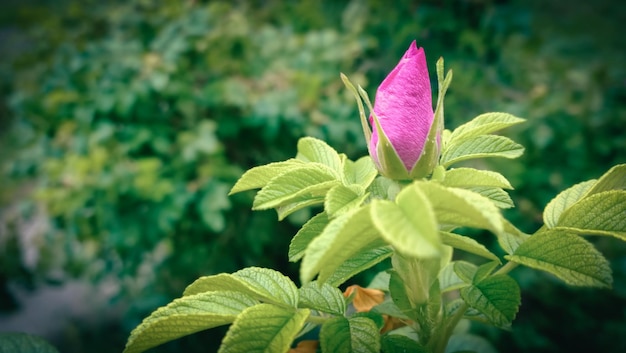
123 124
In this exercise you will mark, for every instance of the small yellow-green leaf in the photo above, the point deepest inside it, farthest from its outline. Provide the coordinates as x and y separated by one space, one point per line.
449 280
460 207
511 238
301 184
342 238
467 244
565 255
482 146
409 224
497 297
603 213
187 315
341 199
358 263
485 124
261 283
362 172
613 179
499 197
355 335
315 150
469 177
264 328
312 228
564 200
258 177
322 297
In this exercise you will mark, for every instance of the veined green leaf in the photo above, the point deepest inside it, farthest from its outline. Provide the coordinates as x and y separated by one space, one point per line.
354 335
312 228
362 172
261 283
497 297
565 255
465 270
341 199
469 177
511 238
563 201
343 237
603 213
392 343
299 184
322 297
398 293
264 328
460 207
449 280
409 224
315 150
384 188
499 197
484 124
13 342
467 244
359 263
485 270
296 205
187 315
480 147
613 179
258 177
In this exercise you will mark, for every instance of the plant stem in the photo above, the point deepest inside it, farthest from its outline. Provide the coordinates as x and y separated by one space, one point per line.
318 320
506 268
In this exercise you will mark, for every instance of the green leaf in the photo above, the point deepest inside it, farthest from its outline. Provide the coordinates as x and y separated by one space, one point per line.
469 177
343 237
409 224
460 207
264 284
264 328
465 270
511 238
465 342
599 214
499 197
565 255
258 177
187 315
322 297
384 188
480 147
300 184
484 124
398 294
285 210
398 343
312 228
314 150
449 280
359 263
341 199
362 172
467 244
354 335
497 297
563 201
485 270
613 179
23 342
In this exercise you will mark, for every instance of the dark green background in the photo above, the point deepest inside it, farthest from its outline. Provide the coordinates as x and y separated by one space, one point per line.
123 124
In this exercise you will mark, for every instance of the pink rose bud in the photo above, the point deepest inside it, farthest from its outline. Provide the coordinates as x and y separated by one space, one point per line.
405 141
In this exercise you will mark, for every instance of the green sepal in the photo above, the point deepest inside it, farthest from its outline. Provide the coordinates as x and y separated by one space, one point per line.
364 123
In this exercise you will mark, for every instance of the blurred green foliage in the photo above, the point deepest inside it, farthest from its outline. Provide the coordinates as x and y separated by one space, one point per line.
125 123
